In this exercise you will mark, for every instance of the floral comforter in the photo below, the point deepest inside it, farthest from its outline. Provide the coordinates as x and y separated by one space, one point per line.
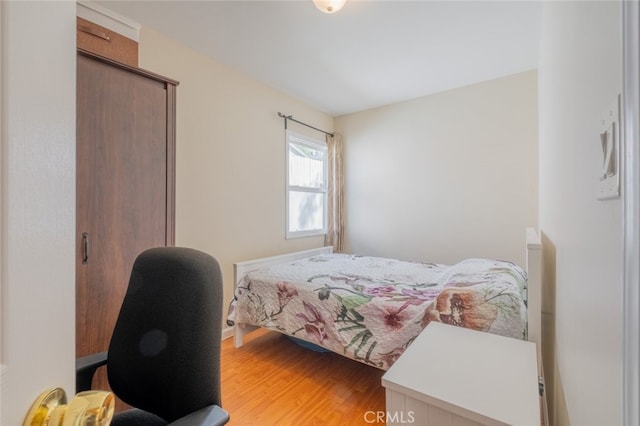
370 309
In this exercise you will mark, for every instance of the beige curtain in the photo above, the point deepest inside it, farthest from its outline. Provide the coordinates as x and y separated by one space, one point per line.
335 194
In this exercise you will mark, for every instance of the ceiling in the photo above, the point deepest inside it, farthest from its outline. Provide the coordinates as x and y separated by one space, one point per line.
369 54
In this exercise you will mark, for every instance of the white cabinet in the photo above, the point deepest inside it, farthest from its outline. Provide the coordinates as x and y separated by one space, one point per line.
458 377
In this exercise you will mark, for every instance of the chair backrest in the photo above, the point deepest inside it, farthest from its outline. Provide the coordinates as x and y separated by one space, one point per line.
164 355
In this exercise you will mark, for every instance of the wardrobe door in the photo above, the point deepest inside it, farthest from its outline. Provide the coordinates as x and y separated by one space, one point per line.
125 181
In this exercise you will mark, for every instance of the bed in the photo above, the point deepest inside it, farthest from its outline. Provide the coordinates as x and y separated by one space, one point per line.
370 309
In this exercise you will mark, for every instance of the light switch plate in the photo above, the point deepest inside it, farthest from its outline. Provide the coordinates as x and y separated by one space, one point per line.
609 173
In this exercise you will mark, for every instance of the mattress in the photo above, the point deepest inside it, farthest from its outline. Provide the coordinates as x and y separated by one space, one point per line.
370 309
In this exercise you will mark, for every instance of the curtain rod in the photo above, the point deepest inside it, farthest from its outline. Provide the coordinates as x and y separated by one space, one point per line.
290 117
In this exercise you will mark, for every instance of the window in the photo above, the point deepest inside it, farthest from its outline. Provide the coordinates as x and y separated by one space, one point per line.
306 186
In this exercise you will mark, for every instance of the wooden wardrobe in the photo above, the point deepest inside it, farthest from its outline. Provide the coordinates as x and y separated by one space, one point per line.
125 185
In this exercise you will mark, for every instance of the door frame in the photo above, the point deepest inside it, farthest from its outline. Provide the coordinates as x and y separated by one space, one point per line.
631 206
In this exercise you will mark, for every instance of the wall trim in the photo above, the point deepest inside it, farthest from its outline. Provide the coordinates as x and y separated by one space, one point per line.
108 19
631 203
2 190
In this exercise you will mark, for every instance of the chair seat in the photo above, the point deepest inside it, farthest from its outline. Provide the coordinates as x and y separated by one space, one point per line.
137 417
207 416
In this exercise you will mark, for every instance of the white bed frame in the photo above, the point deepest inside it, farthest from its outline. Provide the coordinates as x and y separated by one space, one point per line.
533 267
242 268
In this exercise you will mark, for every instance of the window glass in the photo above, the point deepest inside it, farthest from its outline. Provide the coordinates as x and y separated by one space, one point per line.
306 186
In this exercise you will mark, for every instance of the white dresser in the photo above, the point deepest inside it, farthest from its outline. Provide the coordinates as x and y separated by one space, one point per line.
452 376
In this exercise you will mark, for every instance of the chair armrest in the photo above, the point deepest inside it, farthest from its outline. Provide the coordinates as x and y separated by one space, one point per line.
211 415
86 367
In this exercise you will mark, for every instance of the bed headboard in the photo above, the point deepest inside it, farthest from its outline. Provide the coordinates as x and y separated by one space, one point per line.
534 292
241 268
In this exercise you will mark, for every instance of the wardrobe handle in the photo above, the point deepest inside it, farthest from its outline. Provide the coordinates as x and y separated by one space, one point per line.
85 247
94 32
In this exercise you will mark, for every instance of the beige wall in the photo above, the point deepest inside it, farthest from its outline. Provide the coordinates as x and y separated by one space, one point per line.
580 74
447 176
230 172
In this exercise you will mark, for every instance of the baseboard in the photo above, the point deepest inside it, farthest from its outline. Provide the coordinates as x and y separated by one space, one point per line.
227 332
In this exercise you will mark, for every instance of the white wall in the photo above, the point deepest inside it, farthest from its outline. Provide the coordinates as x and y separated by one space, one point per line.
444 177
230 160
579 75
38 202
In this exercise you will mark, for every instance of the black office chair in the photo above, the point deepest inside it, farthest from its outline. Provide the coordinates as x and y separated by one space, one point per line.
164 355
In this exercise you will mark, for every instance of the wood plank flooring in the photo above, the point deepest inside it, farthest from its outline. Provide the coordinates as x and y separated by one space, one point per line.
271 381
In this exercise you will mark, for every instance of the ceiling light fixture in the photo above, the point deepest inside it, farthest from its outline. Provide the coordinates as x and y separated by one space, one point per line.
329 6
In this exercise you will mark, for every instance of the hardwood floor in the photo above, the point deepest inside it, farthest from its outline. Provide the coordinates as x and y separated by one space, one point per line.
273 381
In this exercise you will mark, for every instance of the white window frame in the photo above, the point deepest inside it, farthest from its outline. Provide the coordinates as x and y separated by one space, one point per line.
299 139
